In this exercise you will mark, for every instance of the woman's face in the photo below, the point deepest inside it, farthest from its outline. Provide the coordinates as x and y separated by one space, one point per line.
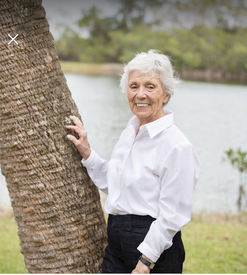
146 97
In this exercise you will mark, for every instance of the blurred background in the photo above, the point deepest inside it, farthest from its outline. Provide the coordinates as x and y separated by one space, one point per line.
207 42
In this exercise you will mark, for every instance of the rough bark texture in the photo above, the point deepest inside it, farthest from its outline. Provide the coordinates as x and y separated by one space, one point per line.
57 208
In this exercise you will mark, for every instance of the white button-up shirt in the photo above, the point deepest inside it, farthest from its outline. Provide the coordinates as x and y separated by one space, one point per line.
152 172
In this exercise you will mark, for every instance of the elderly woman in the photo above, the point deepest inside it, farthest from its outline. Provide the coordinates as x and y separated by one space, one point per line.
150 177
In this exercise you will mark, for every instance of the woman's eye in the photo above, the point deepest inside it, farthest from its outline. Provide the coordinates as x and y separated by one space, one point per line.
133 87
150 87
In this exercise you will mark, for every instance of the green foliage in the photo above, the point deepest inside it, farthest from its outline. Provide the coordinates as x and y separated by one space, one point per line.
98 27
70 46
211 42
238 159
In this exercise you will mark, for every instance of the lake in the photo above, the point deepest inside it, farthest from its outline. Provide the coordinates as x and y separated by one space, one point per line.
212 116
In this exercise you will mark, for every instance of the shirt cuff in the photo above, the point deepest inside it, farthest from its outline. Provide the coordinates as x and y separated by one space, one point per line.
86 162
145 250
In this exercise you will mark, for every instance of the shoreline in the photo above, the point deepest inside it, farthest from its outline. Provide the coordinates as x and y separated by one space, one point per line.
116 69
92 68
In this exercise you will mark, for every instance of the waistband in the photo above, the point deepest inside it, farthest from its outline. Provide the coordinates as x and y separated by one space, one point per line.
129 220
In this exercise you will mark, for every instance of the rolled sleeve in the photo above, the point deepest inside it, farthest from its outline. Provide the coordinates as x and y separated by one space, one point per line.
178 174
86 162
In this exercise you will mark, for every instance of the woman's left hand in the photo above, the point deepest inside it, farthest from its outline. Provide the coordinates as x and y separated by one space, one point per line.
141 269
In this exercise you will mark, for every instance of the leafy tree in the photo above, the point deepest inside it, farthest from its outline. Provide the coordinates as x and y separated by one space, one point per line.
70 46
138 25
238 160
133 13
97 26
222 14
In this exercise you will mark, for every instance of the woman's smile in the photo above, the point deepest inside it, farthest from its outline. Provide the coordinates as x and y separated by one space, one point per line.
146 96
142 106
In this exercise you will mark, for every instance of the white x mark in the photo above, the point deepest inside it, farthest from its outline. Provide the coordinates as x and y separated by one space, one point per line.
12 39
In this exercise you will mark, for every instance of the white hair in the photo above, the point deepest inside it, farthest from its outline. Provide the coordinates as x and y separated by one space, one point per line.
155 64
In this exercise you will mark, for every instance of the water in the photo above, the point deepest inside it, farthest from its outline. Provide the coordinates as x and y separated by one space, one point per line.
212 116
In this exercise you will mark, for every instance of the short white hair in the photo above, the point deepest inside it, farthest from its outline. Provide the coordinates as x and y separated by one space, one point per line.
155 64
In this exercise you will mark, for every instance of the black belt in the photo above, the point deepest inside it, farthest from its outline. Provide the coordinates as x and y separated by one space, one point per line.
123 221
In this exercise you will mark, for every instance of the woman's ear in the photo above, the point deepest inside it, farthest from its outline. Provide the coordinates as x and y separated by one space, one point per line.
166 99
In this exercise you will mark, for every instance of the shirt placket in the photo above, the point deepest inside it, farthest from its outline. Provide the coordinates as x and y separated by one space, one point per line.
121 168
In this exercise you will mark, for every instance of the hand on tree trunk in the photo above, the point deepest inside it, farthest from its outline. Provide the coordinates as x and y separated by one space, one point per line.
81 143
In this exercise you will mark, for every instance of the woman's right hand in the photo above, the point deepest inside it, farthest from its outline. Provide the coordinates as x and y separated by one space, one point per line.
81 143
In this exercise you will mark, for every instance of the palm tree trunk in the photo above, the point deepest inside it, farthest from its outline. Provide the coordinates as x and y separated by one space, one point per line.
57 208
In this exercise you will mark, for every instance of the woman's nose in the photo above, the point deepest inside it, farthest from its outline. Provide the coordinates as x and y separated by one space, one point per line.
141 93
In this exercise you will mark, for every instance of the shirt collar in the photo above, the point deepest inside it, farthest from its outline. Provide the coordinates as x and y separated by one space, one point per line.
155 127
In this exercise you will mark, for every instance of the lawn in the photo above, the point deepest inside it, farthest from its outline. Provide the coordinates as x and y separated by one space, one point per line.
11 260
213 245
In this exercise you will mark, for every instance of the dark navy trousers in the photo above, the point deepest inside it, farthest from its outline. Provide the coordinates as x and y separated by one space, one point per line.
125 233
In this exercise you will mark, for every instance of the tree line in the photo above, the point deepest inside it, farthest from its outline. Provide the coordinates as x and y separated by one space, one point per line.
197 35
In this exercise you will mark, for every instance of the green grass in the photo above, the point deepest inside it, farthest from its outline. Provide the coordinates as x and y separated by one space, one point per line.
11 260
213 244
215 247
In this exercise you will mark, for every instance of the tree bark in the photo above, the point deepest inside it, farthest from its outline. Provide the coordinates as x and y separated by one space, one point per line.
57 207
